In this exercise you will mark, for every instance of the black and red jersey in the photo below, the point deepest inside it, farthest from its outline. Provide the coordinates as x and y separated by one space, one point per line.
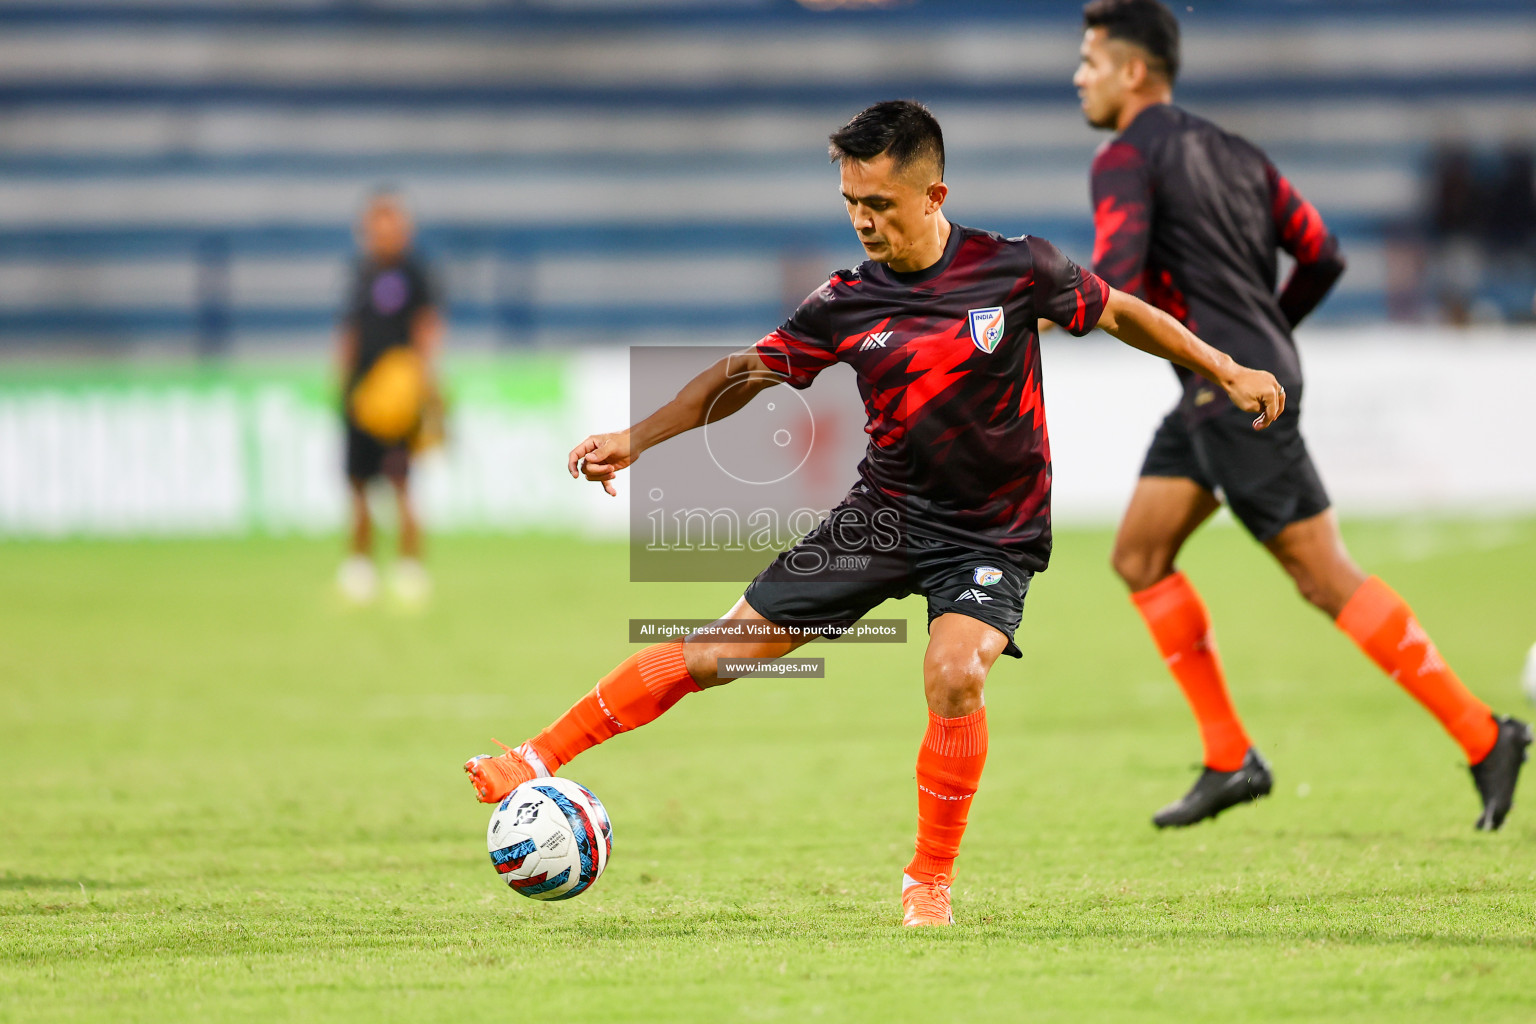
948 363
1191 219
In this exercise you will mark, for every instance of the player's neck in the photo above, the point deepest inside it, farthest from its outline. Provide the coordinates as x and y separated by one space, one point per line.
1135 104
928 253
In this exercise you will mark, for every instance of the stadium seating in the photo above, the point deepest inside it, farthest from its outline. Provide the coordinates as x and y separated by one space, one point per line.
184 175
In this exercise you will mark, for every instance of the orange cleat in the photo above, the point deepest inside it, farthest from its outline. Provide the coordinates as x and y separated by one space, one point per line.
926 904
495 776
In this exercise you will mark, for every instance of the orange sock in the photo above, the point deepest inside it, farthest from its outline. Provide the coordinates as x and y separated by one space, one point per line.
948 771
1181 628
638 691
1383 625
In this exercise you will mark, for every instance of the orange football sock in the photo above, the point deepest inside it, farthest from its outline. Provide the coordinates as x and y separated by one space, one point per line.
638 691
1181 628
1383 625
948 771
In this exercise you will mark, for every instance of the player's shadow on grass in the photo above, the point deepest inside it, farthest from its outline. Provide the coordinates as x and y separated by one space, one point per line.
39 882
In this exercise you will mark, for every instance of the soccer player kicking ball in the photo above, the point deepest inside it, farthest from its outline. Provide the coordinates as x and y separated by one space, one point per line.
1192 218
940 327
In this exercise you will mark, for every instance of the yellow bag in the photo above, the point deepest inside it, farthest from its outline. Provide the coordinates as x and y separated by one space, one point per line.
388 401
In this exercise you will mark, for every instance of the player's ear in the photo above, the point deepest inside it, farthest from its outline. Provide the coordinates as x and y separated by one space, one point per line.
937 193
1135 72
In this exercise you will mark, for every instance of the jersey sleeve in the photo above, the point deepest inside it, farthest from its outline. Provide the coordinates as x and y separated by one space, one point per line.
1065 293
1122 217
803 345
1302 233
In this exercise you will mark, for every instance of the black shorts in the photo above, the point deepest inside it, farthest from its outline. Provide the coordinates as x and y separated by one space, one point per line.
368 457
1265 476
836 574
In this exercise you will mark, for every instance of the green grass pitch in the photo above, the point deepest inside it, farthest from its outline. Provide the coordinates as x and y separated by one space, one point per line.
227 799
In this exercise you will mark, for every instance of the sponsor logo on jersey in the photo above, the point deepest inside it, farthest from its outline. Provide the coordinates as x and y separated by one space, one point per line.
986 575
972 595
875 339
986 327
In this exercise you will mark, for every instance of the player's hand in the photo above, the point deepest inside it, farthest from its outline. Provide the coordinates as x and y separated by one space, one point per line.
1257 391
600 457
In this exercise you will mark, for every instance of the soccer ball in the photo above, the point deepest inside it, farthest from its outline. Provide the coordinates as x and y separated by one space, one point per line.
1528 679
550 839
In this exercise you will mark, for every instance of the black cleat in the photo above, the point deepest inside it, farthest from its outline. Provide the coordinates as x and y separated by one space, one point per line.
1213 792
1496 774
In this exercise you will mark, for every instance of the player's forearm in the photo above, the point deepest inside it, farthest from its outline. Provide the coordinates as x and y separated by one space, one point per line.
1308 285
427 333
722 389
1149 329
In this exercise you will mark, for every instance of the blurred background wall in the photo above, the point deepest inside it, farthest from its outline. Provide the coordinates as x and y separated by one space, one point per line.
178 181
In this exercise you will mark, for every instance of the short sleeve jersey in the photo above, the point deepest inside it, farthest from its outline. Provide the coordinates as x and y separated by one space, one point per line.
948 364
382 306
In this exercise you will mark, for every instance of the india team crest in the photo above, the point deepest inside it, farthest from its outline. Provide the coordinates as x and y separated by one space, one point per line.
987 327
986 575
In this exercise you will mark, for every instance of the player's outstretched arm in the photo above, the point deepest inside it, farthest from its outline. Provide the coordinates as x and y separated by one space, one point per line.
1153 331
722 389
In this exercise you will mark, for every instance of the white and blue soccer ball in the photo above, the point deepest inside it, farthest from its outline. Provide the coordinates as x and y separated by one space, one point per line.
550 839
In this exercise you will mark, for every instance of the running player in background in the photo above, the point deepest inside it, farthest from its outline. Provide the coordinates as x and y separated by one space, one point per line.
1192 219
953 496
388 341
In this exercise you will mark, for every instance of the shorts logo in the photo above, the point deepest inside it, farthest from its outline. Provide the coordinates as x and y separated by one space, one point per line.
972 595
875 339
986 575
986 327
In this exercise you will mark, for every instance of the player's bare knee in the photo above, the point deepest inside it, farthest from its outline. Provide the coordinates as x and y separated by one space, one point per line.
1139 566
953 681
1315 590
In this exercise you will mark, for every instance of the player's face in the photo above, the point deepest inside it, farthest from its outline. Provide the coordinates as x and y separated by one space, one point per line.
386 230
1101 78
892 211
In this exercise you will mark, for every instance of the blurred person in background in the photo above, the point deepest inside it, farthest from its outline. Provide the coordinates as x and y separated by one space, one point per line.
1193 218
1509 232
1456 220
388 342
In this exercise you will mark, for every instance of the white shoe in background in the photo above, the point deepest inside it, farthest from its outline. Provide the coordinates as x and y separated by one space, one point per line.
358 580
411 583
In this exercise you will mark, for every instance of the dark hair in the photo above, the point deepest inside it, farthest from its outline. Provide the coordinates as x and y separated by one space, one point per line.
1146 23
902 128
